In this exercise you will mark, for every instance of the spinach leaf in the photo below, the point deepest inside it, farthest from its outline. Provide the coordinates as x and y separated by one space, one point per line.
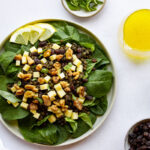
89 103
85 117
90 66
99 83
101 107
88 45
68 66
72 7
39 123
10 113
4 80
12 70
72 123
6 58
83 127
9 96
12 47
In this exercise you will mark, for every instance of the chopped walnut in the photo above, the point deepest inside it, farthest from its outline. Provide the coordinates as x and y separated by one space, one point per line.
20 91
55 79
18 57
62 102
64 108
69 53
55 109
31 87
57 65
29 94
69 73
16 86
64 84
46 100
25 77
41 80
56 103
81 91
39 67
33 106
59 57
35 101
67 89
53 72
30 60
78 105
76 74
47 53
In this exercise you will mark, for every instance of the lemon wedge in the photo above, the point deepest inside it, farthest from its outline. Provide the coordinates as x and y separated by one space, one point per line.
49 31
21 36
35 33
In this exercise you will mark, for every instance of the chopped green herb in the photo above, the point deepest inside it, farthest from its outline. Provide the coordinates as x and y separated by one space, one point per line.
44 70
19 83
68 66
40 100
41 55
34 79
73 97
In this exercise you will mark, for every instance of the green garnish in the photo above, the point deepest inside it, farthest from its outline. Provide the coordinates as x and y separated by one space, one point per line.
40 56
68 66
44 70
34 79
40 100
19 83
73 97
87 5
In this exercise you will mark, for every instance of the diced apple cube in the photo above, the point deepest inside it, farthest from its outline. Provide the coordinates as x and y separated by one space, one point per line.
33 49
44 87
20 75
68 45
58 87
53 57
52 119
74 116
77 62
24 105
68 113
47 79
26 67
62 75
36 115
80 68
24 60
24 99
81 99
73 68
59 115
17 62
13 89
25 54
15 104
61 93
52 94
36 74
40 50
44 60
55 46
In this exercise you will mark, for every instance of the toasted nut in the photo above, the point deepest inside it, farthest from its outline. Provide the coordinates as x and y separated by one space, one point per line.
47 53
20 91
46 100
41 80
76 74
55 109
39 67
67 89
64 84
16 86
56 103
29 94
55 79
62 102
30 60
18 57
59 57
69 73
81 91
57 65
35 101
64 108
58 115
25 77
78 105
33 106
31 87
69 53
53 72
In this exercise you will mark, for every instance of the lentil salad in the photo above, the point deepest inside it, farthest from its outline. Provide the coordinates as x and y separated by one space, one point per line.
53 81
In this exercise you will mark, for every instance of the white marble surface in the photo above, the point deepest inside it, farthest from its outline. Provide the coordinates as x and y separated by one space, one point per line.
133 89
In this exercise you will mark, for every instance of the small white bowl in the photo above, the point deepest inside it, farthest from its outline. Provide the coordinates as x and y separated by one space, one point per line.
82 13
126 144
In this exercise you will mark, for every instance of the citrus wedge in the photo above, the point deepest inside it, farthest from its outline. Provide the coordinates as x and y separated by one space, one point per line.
49 31
21 36
35 33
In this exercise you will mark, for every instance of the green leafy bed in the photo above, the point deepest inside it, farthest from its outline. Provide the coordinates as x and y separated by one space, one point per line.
98 85
87 5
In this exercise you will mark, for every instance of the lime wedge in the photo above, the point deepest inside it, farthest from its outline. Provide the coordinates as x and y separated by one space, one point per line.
21 36
49 31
